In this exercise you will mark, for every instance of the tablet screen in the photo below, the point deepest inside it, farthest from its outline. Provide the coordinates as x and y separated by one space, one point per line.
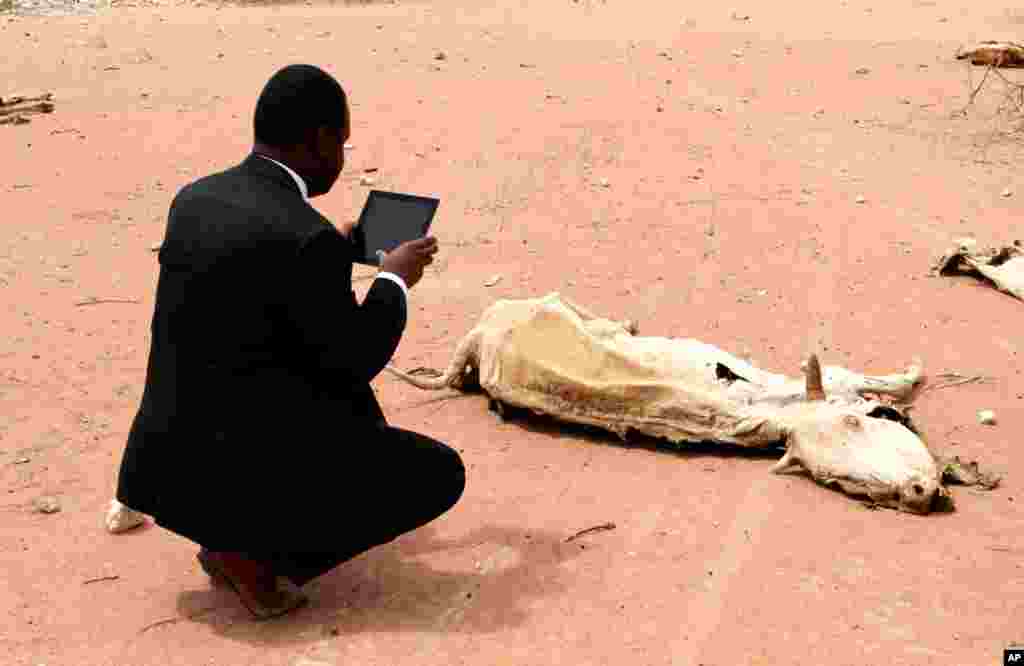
390 219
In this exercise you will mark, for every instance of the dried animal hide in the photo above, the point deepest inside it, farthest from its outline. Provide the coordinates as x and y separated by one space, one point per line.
996 54
553 357
1003 267
14 110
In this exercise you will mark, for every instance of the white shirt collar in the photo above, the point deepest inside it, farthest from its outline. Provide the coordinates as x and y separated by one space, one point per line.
298 179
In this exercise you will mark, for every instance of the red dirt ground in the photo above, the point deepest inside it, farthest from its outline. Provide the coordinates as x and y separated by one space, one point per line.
729 215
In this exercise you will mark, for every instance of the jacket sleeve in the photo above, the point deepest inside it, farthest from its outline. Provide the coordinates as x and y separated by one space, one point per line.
339 334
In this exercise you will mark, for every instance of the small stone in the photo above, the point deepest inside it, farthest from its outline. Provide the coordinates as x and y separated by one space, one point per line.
493 280
860 199
96 42
689 23
155 247
987 417
138 57
22 460
736 53
604 182
366 180
46 504
1007 192
440 56
863 70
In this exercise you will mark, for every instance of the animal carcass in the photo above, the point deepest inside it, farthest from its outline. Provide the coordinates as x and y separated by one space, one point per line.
1003 267
554 357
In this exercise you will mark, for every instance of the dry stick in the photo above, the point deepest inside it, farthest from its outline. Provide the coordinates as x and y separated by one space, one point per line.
604 527
1011 88
178 618
974 93
101 578
957 382
96 301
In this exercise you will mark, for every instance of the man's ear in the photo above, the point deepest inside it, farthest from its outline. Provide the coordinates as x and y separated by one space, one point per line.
326 140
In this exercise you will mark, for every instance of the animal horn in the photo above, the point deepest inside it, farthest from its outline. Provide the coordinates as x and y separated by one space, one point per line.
815 389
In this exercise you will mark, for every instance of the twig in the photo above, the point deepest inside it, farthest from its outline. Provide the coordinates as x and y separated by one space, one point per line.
178 618
101 578
974 93
96 301
604 527
962 380
1002 549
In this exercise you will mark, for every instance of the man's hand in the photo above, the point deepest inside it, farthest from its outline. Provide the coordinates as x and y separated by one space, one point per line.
408 260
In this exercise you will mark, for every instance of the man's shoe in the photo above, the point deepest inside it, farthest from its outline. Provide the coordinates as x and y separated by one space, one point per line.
263 594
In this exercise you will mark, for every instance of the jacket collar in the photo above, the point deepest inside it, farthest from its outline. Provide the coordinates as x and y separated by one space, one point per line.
276 171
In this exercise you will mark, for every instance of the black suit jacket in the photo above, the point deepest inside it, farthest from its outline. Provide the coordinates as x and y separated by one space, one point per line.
260 363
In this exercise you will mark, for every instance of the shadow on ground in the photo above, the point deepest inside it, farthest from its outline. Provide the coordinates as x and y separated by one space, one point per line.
493 574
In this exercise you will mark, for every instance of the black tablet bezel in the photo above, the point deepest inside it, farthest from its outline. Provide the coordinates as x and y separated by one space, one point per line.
359 237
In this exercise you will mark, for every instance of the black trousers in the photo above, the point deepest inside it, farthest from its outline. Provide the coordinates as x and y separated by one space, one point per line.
403 481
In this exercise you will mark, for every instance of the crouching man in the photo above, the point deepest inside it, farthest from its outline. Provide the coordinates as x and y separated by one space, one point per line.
258 435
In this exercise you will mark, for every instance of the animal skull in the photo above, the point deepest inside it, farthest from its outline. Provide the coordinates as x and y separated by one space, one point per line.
554 357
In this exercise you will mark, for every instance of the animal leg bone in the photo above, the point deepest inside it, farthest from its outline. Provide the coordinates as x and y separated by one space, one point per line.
465 355
787 461
898 385
841 381
586 315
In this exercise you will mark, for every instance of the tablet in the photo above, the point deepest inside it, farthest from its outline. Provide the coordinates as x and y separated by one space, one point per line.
388 220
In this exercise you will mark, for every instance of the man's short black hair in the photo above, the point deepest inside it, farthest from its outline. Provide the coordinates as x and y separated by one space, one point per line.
296 101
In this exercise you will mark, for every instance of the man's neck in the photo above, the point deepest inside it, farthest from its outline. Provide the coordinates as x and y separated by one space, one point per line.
283 160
